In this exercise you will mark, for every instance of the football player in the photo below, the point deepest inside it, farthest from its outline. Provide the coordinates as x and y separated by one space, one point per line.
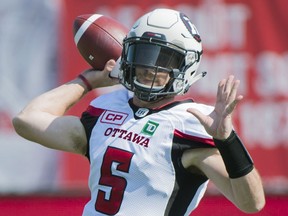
150 153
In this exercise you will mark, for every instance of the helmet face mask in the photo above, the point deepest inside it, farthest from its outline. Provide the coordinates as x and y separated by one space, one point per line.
162 42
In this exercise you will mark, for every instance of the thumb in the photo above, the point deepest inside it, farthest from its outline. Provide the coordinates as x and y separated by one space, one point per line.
199 115
108 68
109 65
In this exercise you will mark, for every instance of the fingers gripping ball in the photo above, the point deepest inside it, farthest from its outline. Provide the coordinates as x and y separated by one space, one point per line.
98 38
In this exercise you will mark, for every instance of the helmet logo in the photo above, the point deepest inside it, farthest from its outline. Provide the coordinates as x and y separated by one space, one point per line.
154 35
190 27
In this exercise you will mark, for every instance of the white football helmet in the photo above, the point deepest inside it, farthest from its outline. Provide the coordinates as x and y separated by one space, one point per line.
164 40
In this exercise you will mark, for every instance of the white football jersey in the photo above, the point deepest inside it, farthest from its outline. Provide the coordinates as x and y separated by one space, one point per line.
135 157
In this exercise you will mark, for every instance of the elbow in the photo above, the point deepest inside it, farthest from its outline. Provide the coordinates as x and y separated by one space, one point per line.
253 207
259 205
18 124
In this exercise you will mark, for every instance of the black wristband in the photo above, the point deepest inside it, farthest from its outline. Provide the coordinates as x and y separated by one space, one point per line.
236 158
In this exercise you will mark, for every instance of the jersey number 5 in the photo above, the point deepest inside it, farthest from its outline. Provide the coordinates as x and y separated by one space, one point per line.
114 159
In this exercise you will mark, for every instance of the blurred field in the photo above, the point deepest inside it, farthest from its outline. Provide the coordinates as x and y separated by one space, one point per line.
72 205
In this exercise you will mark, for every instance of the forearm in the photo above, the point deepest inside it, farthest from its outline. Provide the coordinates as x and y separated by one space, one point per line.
43 120
248 192
35 120
245 181
57 101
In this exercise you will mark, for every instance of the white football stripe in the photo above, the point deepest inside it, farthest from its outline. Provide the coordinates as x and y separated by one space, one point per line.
85 26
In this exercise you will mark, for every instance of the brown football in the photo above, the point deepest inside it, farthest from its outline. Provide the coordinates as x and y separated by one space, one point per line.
98 38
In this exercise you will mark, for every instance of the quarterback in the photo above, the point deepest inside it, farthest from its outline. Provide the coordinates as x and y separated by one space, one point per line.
150 153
